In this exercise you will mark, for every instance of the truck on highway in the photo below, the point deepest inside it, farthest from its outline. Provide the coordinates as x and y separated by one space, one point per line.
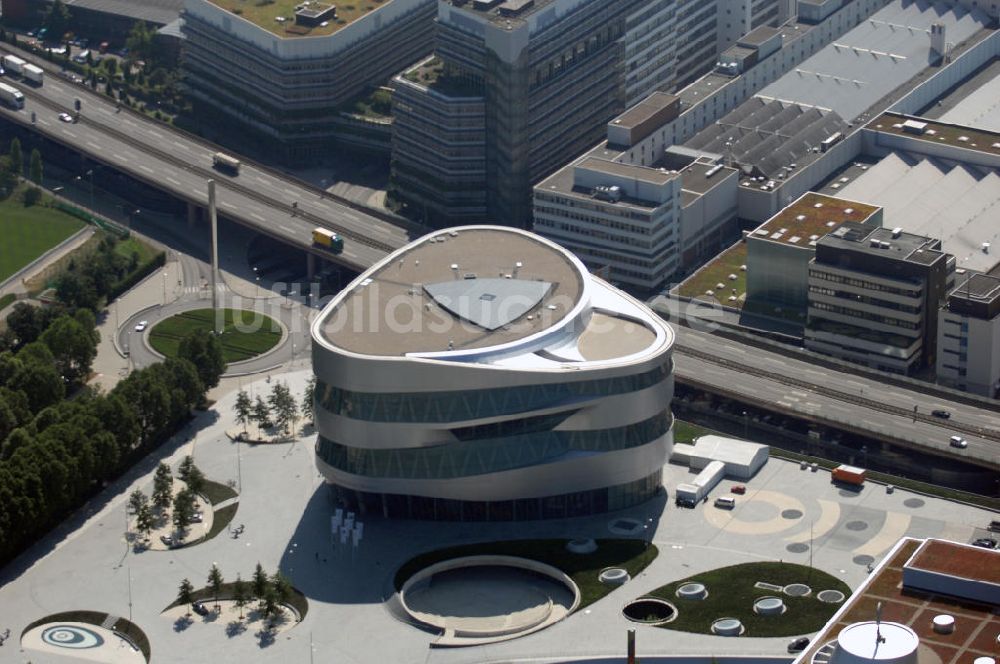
223 162
33 73
849 475
14 64
328 240
11 96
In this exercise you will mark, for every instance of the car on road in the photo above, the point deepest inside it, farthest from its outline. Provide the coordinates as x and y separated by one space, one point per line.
940 412
168 540
199 608
994 526
65 117
959 442
985 542
738 489
141 325
799 644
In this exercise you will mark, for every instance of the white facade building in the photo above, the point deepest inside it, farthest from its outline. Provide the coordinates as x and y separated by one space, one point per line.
481 373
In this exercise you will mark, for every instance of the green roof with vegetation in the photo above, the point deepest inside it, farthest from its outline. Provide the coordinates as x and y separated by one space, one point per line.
732 592
266 14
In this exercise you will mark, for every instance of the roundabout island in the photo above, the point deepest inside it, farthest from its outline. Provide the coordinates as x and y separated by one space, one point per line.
245 334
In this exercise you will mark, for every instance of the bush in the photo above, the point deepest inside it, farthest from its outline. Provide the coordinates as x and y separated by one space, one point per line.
31 196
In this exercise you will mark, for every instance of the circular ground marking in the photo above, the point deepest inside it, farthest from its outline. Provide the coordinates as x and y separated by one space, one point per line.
245 334
791 514
847 493
613 576
625 526
649 610
72 636
863 559
914 502
856 525
830 596
581 546
797 547
692 591
797 590
769 606
727 627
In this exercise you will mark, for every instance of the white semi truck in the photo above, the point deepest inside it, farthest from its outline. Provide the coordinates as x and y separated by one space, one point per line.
33 73
11 96
14 64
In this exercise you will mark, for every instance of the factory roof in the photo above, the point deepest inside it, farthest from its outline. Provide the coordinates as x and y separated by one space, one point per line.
157 12
857 70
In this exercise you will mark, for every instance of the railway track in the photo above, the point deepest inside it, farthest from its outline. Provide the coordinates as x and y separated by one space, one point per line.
952 425
222 183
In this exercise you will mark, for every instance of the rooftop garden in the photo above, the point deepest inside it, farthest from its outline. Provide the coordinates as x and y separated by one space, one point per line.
730 262
278 16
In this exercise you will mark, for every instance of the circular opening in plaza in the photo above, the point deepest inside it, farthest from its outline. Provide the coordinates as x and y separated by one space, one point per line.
482 599
245 334
649 610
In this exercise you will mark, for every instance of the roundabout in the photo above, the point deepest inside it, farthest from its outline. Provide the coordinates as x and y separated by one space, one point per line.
245 334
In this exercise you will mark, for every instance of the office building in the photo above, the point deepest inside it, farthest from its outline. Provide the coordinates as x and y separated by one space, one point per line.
277 81
550 75
703 123
968 341
481 373
874 295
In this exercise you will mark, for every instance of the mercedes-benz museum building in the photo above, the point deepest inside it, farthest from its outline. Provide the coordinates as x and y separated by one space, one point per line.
482 374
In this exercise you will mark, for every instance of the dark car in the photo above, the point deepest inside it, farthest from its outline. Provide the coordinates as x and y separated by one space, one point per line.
685 502
985 542
799 644
939 412
199 608
994 526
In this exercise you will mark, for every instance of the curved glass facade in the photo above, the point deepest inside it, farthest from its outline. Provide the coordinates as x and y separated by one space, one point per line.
581 503
457 406
488 455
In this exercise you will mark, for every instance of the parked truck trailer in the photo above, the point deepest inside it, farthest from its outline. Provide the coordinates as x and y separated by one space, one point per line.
33 73
14 64
849 475
11 96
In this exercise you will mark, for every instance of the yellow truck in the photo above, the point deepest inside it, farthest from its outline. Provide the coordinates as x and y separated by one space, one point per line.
328 240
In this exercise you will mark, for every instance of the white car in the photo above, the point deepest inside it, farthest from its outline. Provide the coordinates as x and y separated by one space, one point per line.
141 325
65 117
959 442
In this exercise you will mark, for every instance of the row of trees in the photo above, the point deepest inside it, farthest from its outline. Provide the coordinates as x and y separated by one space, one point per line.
55 453
12 169
270 592
280 411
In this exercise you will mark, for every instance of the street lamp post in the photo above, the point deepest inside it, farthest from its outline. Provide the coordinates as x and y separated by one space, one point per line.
746 424
164 288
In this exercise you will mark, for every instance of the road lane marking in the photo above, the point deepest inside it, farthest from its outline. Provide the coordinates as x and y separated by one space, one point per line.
257 216
286 228
146 168
172 181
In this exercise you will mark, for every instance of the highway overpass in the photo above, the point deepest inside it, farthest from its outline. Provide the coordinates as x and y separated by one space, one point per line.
178 163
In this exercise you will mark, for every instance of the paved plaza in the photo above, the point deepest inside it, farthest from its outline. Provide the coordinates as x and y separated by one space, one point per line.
787 514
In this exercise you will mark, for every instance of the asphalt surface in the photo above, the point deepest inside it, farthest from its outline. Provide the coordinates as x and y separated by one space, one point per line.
786 514
171 161
834 396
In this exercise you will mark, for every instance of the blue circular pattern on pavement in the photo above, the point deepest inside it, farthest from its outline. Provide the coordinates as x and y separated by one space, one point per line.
72 636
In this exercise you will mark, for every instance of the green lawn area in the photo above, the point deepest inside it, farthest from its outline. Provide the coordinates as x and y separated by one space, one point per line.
28 232
685 432
260 334
133 245
264 14
717 272
731 594
632 555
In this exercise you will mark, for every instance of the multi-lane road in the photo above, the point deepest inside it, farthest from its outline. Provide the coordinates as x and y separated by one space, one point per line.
175 162
809 390
263 199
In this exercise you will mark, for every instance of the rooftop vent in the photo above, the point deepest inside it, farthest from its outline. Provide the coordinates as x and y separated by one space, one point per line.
986 247
896 232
